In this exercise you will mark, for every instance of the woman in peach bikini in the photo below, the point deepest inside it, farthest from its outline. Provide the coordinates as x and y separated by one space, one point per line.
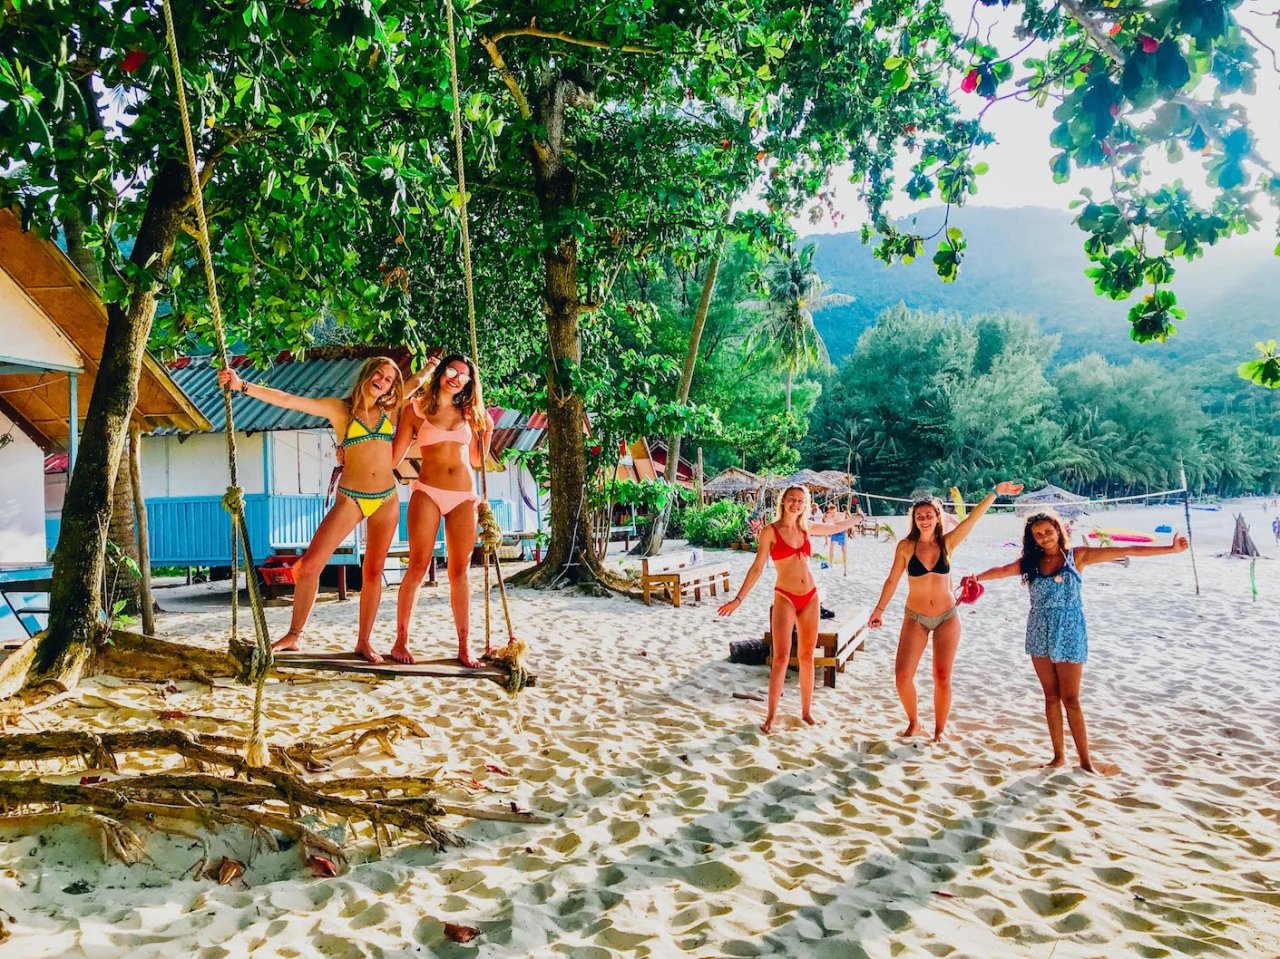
452 430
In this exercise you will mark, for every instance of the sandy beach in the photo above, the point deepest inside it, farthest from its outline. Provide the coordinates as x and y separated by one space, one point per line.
677 828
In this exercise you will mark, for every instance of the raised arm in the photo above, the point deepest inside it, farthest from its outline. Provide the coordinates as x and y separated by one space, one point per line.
327 407
406 430
753 574
899 566
840 526
414 381
961 532
1088 555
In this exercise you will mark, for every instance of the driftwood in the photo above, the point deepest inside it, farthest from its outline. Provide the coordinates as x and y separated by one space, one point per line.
167 800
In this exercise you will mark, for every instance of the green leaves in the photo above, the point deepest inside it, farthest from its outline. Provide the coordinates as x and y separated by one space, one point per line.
946 261
1152 319
1264 371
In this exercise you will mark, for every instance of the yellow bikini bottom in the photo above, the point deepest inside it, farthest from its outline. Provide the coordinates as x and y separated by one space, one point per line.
369 503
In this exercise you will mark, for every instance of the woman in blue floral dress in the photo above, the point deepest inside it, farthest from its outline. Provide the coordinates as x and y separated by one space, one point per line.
1057 640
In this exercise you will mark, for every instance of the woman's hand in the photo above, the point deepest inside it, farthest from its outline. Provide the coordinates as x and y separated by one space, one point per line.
729 608
877 619
1008 488
1180 543
229 379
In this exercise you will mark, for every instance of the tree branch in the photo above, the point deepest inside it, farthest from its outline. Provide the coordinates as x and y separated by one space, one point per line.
533 30
522 102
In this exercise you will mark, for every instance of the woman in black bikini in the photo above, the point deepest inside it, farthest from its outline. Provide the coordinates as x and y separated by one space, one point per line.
366 421
786 542
925 555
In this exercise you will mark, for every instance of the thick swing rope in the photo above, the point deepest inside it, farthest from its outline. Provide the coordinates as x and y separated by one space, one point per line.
258 661
490 533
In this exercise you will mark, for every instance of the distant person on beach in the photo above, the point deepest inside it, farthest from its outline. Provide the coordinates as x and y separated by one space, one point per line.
925 556
1275 529
833 516
1057 641
795 597
366 422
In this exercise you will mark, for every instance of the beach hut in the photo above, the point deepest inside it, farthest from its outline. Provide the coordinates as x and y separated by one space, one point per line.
733 481
684 469
287 460
1065 503
52 325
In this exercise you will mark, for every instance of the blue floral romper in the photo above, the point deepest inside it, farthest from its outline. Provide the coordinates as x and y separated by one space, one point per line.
1055 626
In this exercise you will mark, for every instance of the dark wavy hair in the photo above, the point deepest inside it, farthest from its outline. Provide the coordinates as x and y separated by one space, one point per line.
468 399
939 531
1029 561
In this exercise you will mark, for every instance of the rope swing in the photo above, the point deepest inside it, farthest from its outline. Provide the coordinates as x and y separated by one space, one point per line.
255 658
512 654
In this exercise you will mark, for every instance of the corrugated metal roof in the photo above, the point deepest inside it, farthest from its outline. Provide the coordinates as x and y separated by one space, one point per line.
515 430
326 372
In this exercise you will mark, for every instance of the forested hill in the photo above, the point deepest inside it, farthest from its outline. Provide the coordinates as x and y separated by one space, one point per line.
1031 260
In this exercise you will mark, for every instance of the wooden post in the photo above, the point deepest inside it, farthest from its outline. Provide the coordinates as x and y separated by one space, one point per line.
701 502
145 599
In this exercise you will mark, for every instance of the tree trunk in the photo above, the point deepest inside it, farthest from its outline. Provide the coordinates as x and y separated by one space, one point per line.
651 543
122 584
570 559
75 601
146 600
787 379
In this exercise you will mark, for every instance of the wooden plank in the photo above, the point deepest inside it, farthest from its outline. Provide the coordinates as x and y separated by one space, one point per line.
349 662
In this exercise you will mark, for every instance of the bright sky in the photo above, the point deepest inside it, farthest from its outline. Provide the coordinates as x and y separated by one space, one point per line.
1019 159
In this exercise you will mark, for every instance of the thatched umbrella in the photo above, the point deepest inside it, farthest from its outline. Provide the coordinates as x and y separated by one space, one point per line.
1065 503
732 481
815 482
839 481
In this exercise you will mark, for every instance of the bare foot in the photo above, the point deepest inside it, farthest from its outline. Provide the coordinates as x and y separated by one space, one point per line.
913 729
365 652
289 642
400 653
766 727
808 718
464 657
1057 762
1100 769
942 736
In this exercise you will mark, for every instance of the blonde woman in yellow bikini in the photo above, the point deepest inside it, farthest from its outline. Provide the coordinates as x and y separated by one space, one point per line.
366 422
452 429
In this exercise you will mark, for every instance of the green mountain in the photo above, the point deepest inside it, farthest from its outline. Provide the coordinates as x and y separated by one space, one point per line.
1031 260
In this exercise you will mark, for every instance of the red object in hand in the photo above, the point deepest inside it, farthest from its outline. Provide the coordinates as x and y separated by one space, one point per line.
970 81
969 591
132 60
1149 44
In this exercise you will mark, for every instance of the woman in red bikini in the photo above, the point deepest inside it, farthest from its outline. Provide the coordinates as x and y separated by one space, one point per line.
366 421
795 601
452 429
925 556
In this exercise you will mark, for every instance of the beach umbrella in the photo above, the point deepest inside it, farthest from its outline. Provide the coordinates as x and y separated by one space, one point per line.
839 481
1065 503
810 479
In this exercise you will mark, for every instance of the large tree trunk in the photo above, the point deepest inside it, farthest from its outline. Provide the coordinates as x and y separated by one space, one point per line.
145 598
75 601
651 543
121 582
570 559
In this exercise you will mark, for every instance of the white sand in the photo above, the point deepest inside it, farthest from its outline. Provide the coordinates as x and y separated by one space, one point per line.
680 830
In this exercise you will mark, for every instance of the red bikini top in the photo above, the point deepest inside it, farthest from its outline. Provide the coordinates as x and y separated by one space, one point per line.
784 550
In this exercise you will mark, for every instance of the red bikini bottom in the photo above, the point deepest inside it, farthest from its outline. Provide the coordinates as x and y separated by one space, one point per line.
798 601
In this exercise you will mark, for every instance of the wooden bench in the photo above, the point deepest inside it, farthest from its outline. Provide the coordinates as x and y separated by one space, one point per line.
675 575
838 640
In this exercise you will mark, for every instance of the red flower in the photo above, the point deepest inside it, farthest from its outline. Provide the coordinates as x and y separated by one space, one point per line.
1149 44
132 60
970 81
1115 28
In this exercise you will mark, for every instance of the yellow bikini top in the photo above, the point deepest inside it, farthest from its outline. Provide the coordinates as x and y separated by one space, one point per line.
358 431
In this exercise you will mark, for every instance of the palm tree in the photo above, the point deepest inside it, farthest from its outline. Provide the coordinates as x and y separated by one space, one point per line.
785 329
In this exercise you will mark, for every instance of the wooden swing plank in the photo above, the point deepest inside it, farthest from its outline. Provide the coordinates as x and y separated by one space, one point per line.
349 662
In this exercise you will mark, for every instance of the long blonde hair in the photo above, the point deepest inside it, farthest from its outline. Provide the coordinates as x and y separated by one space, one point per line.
392 398
803 522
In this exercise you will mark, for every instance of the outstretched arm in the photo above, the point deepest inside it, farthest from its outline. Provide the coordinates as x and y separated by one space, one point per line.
890 584
406 430
481 438
999 572
414 381
753 574
1088 555
839 526
958 535
327 407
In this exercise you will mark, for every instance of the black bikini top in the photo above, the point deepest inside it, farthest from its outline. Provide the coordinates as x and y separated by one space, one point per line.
917 568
